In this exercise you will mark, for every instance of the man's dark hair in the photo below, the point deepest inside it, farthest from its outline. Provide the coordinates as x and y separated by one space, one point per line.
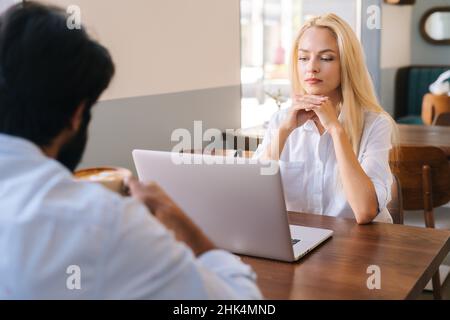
46 71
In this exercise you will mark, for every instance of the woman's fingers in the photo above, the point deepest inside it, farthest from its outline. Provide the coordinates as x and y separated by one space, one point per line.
310 95
312 99
308 104
306 107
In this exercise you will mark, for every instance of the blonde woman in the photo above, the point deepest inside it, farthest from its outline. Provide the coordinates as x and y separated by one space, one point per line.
333 143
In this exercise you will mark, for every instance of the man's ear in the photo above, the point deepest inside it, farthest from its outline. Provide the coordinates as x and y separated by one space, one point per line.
77 118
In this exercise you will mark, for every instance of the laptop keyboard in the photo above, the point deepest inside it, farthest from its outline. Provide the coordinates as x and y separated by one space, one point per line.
295 241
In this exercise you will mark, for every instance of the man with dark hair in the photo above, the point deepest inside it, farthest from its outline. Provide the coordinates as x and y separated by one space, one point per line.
53 228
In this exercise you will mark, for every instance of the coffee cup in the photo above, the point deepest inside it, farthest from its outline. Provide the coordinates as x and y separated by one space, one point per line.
113 178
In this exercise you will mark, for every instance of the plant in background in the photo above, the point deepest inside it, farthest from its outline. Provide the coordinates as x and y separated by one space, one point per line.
277 97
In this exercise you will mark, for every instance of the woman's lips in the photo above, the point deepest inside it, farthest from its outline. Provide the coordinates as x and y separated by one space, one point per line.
313 81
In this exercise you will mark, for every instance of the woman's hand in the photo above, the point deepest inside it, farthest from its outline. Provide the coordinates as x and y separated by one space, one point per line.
304 108
326 113
301 111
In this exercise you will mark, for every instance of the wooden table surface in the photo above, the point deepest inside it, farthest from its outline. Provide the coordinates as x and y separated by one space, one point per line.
337 269
419 135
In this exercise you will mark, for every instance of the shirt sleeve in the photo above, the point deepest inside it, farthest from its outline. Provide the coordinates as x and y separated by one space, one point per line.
375 159
228 268
143 260
274 124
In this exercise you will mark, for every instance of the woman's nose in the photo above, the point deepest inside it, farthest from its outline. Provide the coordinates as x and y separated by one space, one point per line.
313 66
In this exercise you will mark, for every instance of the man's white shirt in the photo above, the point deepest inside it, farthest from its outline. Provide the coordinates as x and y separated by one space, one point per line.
77 240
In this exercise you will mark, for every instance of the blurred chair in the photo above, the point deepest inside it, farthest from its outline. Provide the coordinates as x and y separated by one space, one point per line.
395 206
424 175
442 119
411 85
433 106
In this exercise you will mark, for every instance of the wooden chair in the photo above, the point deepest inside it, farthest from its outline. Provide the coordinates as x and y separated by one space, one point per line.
424 174
395 206
442 119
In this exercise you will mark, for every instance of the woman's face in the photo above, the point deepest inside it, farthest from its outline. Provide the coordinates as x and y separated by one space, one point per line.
318 64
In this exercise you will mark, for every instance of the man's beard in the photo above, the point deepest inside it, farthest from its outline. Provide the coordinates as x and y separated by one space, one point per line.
71 153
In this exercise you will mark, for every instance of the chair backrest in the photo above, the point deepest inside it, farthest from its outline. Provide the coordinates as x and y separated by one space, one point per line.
411 84
395 206
442 119
410 168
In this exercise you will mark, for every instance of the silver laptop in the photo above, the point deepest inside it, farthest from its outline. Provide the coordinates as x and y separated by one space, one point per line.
238 207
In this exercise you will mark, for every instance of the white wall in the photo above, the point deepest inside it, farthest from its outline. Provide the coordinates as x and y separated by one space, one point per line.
395 49
396 36
162 46
176 61
5 4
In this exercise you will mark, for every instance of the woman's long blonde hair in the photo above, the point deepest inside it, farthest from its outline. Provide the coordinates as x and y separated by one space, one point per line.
358 94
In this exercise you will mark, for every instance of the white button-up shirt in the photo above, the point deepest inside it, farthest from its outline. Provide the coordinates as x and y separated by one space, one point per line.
309 168
77 240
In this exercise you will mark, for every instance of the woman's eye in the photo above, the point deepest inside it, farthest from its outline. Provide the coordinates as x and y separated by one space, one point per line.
327 59
303 58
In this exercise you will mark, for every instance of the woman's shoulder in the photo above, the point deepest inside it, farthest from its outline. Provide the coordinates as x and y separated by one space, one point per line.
377 119
378 131
379 127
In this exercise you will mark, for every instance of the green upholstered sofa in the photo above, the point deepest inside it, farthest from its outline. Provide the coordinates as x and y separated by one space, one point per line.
411 84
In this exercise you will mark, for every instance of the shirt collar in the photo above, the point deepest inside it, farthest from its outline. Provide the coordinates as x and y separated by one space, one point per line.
310 125
16 145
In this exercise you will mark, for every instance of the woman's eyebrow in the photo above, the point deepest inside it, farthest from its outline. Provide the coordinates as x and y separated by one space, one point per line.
322 51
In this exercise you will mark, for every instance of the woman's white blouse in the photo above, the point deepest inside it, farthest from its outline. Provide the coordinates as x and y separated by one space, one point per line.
309 168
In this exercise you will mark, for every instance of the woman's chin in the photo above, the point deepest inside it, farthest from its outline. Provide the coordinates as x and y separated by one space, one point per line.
315 91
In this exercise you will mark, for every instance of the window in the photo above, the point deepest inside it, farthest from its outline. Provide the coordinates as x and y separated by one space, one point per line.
268 28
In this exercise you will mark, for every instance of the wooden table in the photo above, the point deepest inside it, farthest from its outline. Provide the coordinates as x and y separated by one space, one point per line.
408 134
418 135
337 269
